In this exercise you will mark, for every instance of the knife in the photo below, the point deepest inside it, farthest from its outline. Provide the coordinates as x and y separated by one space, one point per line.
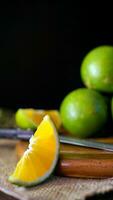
26 134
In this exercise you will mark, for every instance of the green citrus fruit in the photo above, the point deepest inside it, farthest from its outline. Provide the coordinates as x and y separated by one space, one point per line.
83 112
22 119
97 69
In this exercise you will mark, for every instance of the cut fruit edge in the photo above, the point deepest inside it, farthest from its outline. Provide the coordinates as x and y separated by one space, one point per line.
52 168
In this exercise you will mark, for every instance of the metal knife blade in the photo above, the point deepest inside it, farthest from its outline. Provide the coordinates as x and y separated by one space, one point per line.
26 134
86 143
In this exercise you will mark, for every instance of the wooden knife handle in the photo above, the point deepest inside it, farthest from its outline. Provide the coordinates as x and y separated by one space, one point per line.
85 165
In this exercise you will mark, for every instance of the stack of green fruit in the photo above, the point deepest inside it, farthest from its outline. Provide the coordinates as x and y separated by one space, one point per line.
84 111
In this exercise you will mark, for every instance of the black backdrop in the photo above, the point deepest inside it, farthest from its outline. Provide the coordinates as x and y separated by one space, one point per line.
41 49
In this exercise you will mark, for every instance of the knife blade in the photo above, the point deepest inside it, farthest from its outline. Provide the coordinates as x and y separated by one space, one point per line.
15 134
26 134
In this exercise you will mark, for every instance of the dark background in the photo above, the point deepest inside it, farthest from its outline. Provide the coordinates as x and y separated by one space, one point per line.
42 46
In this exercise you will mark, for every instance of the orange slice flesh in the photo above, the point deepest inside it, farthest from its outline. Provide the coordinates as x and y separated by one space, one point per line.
40 159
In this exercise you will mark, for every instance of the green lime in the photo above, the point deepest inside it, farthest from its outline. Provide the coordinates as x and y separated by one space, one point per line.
83 112
97 69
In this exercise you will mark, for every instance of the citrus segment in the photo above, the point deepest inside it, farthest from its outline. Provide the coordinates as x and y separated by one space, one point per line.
31 118
40 158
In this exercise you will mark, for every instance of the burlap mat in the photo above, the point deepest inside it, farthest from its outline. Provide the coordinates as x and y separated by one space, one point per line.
60 188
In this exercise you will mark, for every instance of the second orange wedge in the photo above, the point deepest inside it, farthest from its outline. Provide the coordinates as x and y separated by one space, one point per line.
31 118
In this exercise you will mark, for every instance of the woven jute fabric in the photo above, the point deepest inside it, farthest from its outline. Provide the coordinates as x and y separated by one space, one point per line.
60 188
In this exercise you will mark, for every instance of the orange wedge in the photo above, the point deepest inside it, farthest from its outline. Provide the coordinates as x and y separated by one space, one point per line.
31 118
39 160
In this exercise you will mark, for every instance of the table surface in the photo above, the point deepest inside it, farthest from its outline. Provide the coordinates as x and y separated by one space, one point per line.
106 196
